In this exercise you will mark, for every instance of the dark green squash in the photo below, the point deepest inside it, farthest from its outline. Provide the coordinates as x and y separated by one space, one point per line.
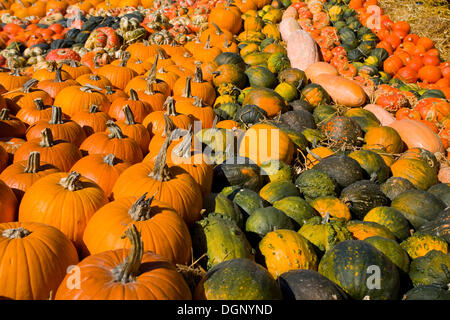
373 165
341 130
265 220
226 111
277 190
221 239
392 219
325 233
433 268
277 62
247 200
347 35
298 120
394 186
380 53
418 206
364 118
323 113
343 169
392 250
440 226
295 208
238 171
301 104
314 183
309 285
238 279
225 207
433 93
441 191
261 77
362 196
296 136
250 114
350 264
428 292
230 58
354 54
293 76
315 94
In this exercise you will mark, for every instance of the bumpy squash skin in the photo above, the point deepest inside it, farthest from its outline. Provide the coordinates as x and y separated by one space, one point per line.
428 292
392 250
342 130
394 186
418 245
314 183
309 285
221 239
277 190
418 207
347 264
364 229
433 268
297 209
238 279
372 163
286 250
343 169
392 219
440 226
229 209
362 196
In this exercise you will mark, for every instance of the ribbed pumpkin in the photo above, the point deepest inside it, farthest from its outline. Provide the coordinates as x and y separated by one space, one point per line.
34 260
25 97
115 142
139 108
127 274
61 154
77 98
54 86
134 130
32 114
91 121
8 203
257 144
149 177
118 75
65 201
199 87
286 250
11 126
95 80
163 231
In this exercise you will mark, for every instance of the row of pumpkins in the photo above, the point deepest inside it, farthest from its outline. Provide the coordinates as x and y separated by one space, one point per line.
292 186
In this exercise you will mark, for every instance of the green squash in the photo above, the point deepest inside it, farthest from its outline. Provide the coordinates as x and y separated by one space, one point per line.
302 105
428 292
315 94
221 239
247 200
265 220
433 268
392 250
325 233
309 285
261 77
394 186
364 118
354 264
418 206
276 170
347 35
230 58
441 191
362 196
314 136
287 91
295 77
239 171
365 229
373 165
295 208
343 130
380 53
314 184
354 54
440 226
343 169
225 207
392 219
250 114
226 111
297 138
298 120
434 93
418 245
257 58
238 279
277 190
323 113
278 62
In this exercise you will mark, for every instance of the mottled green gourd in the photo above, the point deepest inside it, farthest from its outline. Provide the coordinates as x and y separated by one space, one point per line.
261 77
351 265
325 233
433 268
364 118
265 220
418 206
297 138
392 250
323 113
441 191
276 170
364 229
228 208
238 279
247 200
314 136
394 186
392 219
315 183
418 245
440 226
373 165
428 292
343 169
277 190
221 239
297 209
278 62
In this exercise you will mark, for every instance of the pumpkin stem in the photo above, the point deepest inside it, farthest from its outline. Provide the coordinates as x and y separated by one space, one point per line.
47 138
161 171
207 43
134 95
56 116
34 162
58 77
226 44
72 181
141 210
15 72
187 88
16 233
109 90
198 102
183 149
114 130
162 54
129 117
124 59
152 72
128 270
89 87
198 76
4 114
326 218
169 105
27 86
93 109
94 77
218 30
149 89
110 159
39 104
169 126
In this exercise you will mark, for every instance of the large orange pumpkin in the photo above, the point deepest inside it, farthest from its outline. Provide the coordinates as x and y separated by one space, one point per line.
8 203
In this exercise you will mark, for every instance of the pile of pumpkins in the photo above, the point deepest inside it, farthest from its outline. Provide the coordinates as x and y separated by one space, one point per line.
220 150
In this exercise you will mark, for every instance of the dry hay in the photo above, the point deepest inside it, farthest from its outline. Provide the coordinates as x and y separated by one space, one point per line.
427 18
